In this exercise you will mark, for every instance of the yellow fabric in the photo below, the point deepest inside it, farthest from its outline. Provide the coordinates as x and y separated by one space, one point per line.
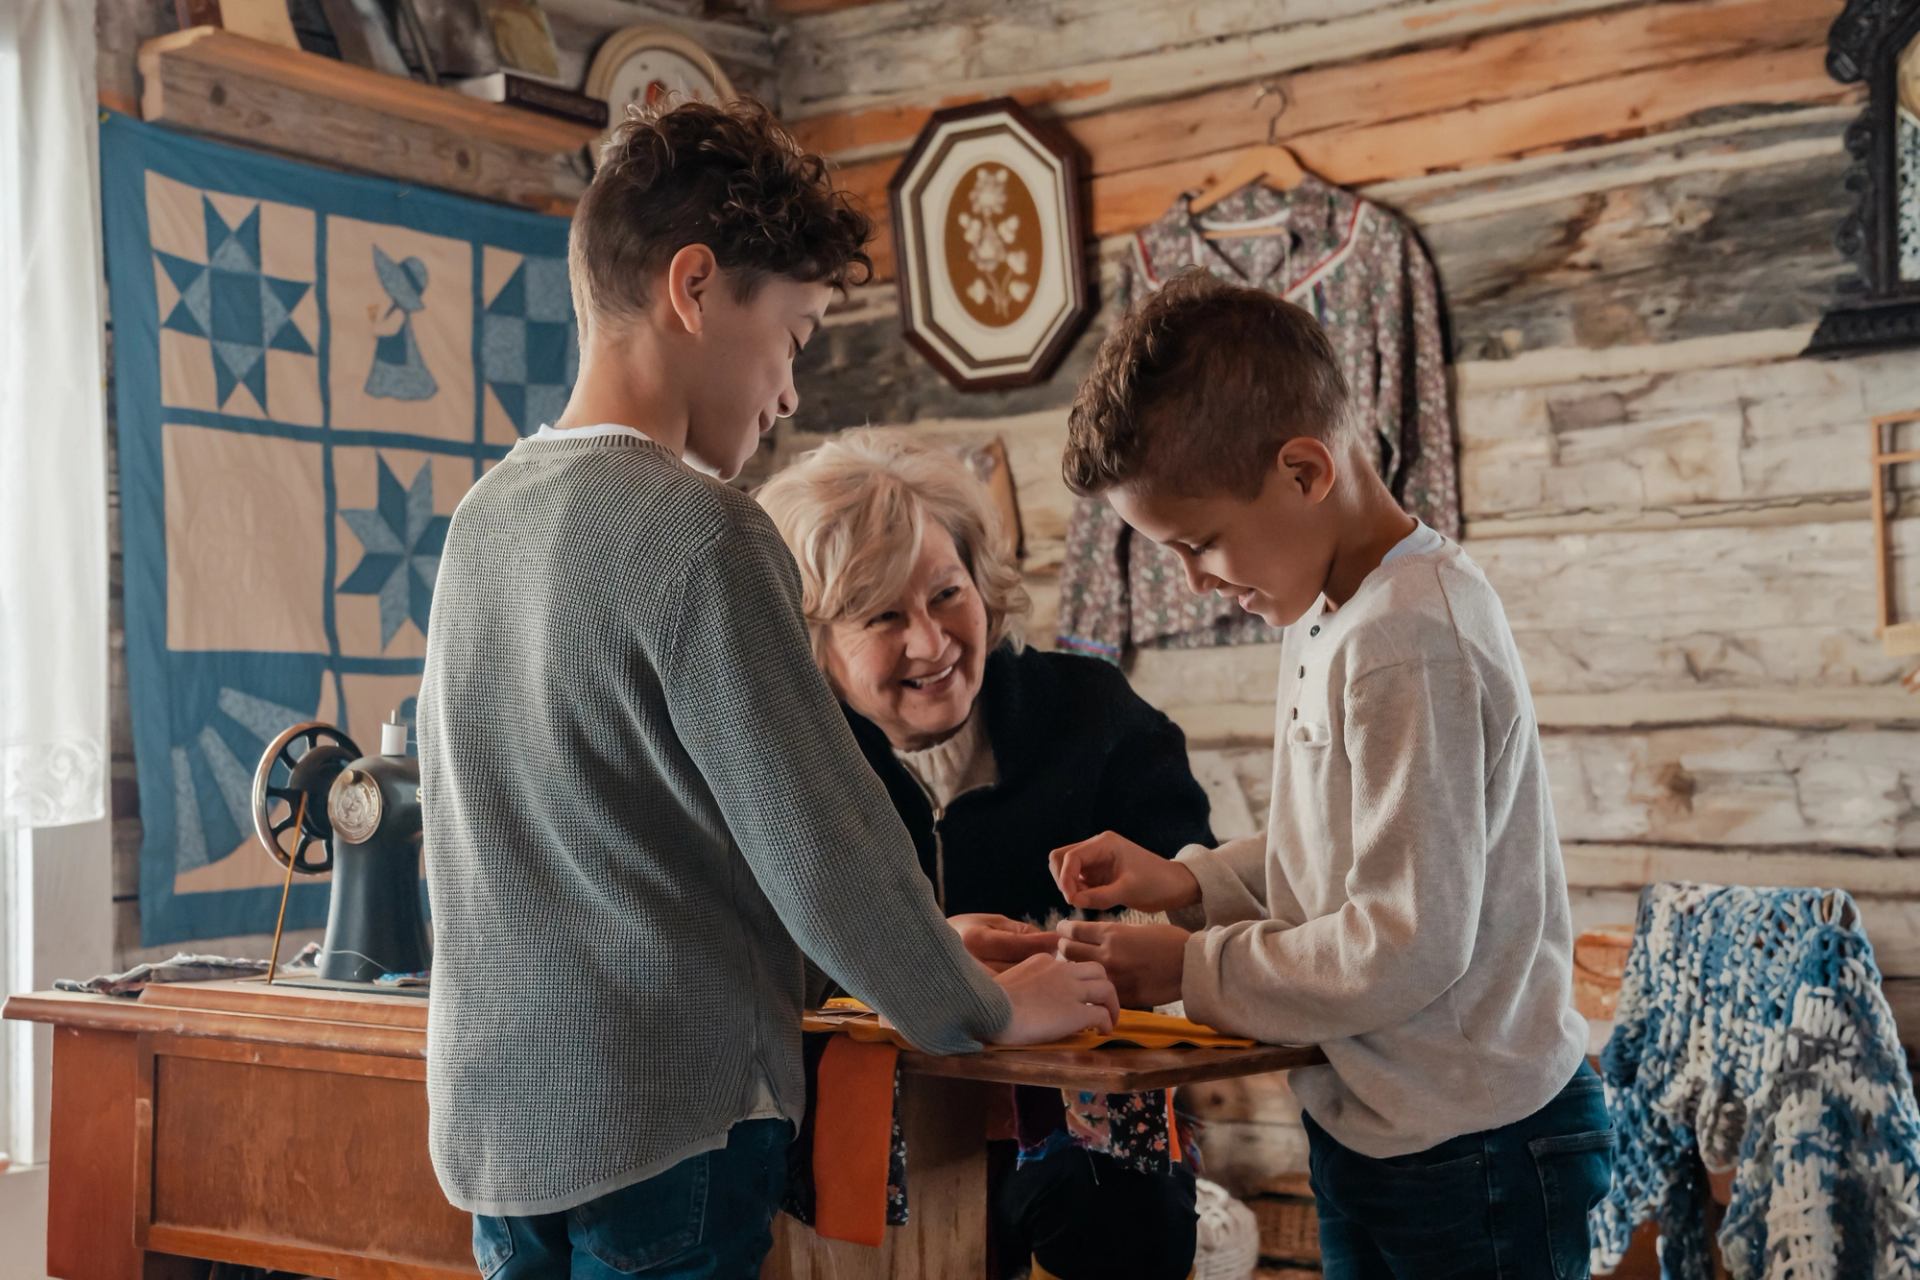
1137 1028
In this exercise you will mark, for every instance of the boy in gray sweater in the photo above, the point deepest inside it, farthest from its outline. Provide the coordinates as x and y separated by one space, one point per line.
642 804
1406 908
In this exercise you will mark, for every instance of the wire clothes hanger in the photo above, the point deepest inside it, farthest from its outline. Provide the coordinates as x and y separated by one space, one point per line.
1271 165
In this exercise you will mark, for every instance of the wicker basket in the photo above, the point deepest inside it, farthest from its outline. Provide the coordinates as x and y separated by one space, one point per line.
1289 1228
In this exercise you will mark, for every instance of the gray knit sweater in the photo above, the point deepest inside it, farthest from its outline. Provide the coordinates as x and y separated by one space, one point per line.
639 796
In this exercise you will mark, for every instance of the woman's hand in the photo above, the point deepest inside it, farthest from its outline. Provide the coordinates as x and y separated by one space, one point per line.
1054 998
999 942
1112 871
1145 961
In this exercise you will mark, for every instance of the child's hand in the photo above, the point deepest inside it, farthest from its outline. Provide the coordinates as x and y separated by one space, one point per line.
998 942
1054 998
1145 961
1112 871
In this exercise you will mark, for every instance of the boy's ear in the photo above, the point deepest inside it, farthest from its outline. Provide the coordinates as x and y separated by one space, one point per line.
691 276
1309 466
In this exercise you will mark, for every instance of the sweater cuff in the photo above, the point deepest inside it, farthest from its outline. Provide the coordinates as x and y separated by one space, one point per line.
1192 918
1223 898
1200 986
999 1015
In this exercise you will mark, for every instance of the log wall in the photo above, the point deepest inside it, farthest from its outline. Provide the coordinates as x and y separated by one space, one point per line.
1630 207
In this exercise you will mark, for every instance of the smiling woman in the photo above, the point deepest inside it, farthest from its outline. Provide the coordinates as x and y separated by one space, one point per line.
994 755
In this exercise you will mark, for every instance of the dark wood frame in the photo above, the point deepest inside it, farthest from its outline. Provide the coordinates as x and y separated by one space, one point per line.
1079 294
1876 309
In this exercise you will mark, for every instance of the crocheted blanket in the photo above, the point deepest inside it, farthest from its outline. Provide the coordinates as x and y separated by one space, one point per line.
1752 1030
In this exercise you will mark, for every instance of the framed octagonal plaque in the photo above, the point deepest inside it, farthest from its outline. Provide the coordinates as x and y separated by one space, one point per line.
987 233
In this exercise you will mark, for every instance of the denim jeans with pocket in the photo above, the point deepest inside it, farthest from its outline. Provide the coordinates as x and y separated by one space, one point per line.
710 1217
1503 1204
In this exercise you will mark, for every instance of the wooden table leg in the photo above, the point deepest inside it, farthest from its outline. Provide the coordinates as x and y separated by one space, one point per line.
90 1178
945 1124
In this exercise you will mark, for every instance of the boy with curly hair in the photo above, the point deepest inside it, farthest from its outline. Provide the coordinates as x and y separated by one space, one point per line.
639 794
1406 908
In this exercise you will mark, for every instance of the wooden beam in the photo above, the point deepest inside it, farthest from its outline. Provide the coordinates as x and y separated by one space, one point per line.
1478 133
900 56
1668 257
1629 867
1742 443
336 114
1512 94
1758 626
810 8
1465 83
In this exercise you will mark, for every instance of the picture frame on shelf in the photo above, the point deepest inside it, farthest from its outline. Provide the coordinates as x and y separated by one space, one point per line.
458 38
645 65
523 39
265 20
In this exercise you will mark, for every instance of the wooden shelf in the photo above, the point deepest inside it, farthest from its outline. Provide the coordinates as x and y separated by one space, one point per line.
333 113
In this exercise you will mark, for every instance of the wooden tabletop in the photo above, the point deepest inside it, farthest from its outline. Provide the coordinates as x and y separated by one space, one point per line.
251 1010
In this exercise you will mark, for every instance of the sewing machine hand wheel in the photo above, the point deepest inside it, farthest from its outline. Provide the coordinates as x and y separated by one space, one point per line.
299 764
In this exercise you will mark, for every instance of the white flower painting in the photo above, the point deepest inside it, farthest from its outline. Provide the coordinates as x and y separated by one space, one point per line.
1000 282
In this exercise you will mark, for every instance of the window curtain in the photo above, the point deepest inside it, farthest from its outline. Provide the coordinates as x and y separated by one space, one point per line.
53 469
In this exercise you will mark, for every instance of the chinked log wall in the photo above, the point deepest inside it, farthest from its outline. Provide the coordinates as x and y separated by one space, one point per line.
1631 209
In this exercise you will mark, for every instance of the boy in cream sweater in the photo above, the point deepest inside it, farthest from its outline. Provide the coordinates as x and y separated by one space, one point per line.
1407 907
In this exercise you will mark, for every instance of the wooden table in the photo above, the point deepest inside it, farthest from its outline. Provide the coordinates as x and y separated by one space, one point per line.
282 1127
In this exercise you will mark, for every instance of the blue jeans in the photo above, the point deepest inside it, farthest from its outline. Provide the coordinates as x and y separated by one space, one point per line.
1504 1204
707 1218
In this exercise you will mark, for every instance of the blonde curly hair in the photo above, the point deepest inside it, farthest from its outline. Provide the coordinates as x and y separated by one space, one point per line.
854 512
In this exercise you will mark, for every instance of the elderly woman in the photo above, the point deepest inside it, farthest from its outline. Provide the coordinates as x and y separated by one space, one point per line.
995 755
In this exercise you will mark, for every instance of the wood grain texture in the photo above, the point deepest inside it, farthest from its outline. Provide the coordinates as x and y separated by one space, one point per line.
119 31
917 55
1725 232
250 1012
1508 94
90 1210
1112 1070
275 1162
353 118
1640 615
1634 238
229 1121
1740 785
1756 624
276 999
1692 255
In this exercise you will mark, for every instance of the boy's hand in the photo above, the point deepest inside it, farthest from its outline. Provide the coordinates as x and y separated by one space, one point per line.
1054 998
1112 871
998 942
1145 961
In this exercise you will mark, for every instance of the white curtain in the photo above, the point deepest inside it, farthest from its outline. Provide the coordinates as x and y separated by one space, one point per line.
53 470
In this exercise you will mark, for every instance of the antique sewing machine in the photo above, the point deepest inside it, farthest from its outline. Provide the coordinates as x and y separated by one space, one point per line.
314 789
